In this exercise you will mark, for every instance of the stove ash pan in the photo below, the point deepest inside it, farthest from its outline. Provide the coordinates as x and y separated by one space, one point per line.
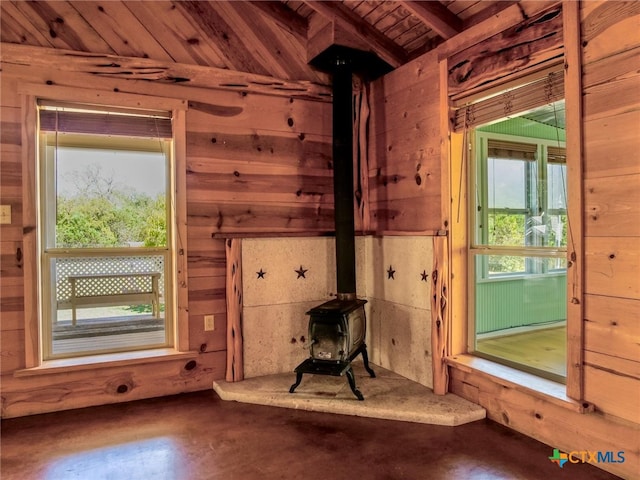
337 332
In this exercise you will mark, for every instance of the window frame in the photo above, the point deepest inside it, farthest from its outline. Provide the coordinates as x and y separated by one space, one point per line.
49 251
30 93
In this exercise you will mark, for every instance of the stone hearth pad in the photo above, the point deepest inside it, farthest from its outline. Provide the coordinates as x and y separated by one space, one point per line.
388 396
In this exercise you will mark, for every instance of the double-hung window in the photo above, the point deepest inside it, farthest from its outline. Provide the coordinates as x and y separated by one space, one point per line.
105 183
518 225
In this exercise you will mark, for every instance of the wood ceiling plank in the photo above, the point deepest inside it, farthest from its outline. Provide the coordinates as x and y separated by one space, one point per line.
121 30
207 17
202 47
31 30
474 8
294 53
299 7
436 16
392 18
422 44
362 8
355 26
457 7
152 15
486 13
420 30
401 28
9 33
66 24
182 41
284 17
258 39
63 26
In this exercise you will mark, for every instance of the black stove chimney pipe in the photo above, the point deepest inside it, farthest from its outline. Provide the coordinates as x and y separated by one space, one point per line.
343 177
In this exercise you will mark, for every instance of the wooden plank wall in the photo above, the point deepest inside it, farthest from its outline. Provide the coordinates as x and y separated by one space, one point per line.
404 156
255 163
611 87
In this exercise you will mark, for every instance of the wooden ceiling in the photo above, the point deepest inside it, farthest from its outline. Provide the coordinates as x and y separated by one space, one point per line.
262 37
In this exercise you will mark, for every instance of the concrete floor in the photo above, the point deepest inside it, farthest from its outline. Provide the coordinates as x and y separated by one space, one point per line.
198 436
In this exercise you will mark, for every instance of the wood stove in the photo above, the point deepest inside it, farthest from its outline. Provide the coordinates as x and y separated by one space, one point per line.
337 328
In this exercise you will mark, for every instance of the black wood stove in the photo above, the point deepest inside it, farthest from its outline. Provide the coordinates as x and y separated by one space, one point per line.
337 328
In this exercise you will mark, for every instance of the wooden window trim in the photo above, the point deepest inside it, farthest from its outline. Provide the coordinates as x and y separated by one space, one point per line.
32 299
574 157
107 360
533 385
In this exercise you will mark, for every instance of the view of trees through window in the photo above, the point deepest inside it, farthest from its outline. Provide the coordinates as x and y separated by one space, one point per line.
521 186
101 206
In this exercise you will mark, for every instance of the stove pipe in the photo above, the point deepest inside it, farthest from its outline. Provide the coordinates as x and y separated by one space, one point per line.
343 193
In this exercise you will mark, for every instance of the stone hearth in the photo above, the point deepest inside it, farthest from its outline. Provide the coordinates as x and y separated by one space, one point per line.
388 396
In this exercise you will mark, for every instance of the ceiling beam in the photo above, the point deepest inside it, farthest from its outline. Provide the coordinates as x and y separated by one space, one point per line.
436 16
118 68
386 49
284 17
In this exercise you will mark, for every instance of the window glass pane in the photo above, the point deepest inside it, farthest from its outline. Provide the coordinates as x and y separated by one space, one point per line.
521 318
503 264
506 229
107 303
557 230
506 183
557 186
110 198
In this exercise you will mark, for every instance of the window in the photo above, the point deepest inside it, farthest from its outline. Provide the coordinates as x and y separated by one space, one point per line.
105 223
518 224
519 246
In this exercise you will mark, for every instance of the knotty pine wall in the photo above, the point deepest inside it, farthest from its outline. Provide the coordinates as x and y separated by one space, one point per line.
404 150
611 112
255 163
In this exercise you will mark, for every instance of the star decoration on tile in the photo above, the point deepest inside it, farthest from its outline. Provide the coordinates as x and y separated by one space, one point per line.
261 273
425 276
301 272
390 273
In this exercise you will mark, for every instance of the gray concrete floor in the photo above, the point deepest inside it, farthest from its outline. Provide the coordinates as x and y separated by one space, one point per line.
198 436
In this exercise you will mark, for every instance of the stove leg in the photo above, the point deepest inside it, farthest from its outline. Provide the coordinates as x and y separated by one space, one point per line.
365 359
352 384
298 380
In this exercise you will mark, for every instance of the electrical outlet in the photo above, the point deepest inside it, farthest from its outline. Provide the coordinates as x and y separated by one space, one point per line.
209 323
5 214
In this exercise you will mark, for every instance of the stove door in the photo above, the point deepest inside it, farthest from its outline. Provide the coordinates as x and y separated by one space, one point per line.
329 339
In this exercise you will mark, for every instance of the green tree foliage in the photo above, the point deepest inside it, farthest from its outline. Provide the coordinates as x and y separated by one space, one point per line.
103 215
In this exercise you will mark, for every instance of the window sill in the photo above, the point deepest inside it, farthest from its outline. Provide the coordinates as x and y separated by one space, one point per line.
103 361
530 384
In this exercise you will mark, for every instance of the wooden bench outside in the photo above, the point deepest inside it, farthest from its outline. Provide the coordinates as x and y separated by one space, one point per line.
104 289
